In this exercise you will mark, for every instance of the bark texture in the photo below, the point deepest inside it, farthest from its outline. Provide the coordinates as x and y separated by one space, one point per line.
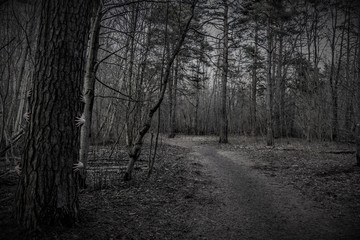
47 192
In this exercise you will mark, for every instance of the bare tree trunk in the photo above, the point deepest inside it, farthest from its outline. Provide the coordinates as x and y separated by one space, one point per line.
196 117
316 58
173 90
197 99
89 89
349 81
175 86
282 103
269 89
140 82
48 192
279 83
254 84
130 124
223 135
136 148
333 79
174 100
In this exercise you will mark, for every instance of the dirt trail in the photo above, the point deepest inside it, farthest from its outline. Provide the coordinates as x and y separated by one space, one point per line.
253 206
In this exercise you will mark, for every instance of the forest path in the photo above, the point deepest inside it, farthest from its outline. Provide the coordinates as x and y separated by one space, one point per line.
253 206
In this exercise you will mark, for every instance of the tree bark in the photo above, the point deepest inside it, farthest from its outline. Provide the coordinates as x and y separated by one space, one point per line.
223 135
48 191
254 84
269 122
129 124
89 88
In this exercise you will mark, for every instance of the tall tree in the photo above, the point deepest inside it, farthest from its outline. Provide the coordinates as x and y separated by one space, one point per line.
129 81
333 80
269 83
173 99
89 86
223 133
136 147
47 192
254 80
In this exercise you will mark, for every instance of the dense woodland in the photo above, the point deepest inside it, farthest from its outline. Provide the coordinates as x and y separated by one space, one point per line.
80 73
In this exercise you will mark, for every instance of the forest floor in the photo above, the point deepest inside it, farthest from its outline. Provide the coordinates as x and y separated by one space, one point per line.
204 190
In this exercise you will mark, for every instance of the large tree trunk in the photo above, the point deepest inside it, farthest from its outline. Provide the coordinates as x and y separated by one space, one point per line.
47 192
223 135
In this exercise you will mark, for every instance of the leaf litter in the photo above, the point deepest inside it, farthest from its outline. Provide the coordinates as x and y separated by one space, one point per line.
156 208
